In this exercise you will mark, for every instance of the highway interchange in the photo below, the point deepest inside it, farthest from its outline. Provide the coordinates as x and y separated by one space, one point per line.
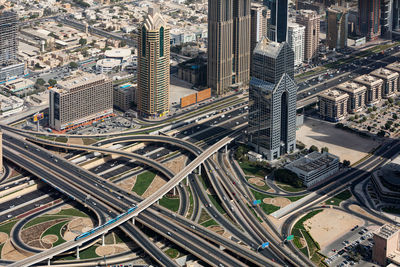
203 140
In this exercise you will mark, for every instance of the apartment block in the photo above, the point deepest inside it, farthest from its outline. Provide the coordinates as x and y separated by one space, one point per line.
386 244
81 98
8 38
357 93
296 41
337 18
396 68
311 21
333 105
374 88
390 81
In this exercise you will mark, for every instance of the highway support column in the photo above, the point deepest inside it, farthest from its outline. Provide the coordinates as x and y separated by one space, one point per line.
226 148
174 192
133 220
77 253
48 262
200 169
102 239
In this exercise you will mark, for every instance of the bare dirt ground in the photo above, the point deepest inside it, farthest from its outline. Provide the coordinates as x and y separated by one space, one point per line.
360 210
217 229
75 141
257 181
105 250
154 186
8 252
77 226
346 145
34 232
177 164
3 237
277 201
54 211
49 239
329 225
127 184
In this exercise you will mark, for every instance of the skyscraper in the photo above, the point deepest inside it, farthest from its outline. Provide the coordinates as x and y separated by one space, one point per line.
337 28
241 41
311 20
387 18
369 12
228 44
296 41
277 26
259 21
8 38
272 100
153 65
396 15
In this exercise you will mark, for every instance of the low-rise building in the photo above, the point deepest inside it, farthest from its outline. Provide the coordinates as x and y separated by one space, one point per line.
390 81
386 182
18 85
314 167
82 98
374 88
396 68
193 71
107 65
333 105
357 93
253 156
386 245
124 96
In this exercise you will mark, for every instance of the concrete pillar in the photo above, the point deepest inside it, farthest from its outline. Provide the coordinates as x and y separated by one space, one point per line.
48 262
133 220
77 253
102 239
174 191
226 148
200 169
187 181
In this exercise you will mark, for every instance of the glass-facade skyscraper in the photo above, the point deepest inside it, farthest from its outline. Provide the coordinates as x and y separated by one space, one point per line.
8 38
272 100
277 26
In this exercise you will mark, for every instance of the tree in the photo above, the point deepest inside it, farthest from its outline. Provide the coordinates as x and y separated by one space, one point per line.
374 108
346 163
73 65
313 148
82 41
369 128
324 149
52 82
390 100
381 133
394 116
40 81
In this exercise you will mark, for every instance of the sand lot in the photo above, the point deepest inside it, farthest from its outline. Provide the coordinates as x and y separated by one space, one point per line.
346 145
329 225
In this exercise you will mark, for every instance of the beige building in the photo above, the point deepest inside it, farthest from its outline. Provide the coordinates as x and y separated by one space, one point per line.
259 17
81 98
153 75
123 96
395 67
390 81
374 88
333 105
311 20
1 151
386 245
357 93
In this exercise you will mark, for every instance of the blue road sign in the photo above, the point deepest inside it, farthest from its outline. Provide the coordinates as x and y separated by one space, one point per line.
264 245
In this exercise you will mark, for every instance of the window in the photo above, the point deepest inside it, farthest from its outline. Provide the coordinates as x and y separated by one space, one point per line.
144 33
161 41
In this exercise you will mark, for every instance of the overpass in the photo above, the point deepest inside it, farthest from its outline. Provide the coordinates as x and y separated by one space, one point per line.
143 205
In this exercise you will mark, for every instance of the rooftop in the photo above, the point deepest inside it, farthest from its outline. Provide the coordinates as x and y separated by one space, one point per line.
368 79
351 87
387 231
268 48
384 73
78 79
313 161
334 95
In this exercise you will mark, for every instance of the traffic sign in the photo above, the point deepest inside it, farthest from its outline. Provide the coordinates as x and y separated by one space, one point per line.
264 245
256 202
289 238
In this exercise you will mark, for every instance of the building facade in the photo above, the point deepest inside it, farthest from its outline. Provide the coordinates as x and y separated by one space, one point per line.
296 42
277 25
337 27
395 66
333 105
79 99
229 30
390 81
369 15
260 15
153 75
311 21
314 167
357 94
386 18
272 100
374 88
386 245
123 96
8 38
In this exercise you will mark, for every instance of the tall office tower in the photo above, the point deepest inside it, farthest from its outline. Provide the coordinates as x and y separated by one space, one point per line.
220 45
396 15
241 42
369 12
277 25
1 151
153 66
386 18
81 98
311 20
8 38
259 19
272 100
337 18
296 41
